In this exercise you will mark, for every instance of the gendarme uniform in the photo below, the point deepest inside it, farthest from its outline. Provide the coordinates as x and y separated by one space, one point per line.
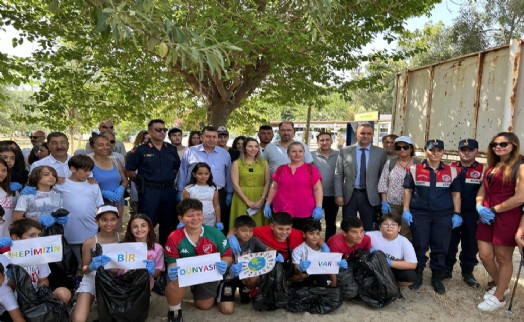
470 180
156 173
432 209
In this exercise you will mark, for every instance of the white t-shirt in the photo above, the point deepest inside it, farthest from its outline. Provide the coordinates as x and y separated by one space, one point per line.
81 199
399 249
7 298
43 203
62 168
301 252
37 272
8 202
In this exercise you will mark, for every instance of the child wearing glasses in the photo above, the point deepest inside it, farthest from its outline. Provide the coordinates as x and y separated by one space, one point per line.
399 252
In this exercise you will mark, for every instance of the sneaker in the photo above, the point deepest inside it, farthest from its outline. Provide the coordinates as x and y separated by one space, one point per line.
172 318
491 304
492 290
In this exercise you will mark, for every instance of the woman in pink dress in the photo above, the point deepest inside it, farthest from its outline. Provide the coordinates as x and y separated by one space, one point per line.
296 188
499 203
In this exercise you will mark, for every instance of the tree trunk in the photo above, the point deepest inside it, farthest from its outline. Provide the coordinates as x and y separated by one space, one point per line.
308 124
218 113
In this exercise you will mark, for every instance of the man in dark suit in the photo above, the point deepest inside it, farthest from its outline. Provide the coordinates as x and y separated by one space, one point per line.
356 177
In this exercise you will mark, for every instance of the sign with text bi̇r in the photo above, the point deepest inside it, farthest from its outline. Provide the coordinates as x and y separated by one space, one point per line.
35 251
125 255
323 263
255 264
198 269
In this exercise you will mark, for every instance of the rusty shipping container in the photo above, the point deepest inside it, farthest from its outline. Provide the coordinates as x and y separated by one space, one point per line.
473 96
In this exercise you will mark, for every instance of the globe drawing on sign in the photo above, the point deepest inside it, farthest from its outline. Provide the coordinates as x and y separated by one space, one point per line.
256 264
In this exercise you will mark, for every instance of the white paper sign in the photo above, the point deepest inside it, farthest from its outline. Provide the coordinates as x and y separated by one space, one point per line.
198 269
35 251
255 264
324 263
125 255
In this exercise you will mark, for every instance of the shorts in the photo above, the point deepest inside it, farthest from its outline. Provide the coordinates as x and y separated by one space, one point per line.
502 231
88 284
227 289
202 291
404 275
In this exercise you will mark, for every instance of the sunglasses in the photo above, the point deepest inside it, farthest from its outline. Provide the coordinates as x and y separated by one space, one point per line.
112 141
34 137
401 147
107 127
159 129
501 144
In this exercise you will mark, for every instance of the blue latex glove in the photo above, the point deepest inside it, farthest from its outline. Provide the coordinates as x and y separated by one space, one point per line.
386 208
172 272
304 265
219 226
229 198
267 211
372 250
235 269
9 273
456 221
98 261
28 190
46 220
234 245
119 193
150 266
343 264
407 217
5 242
62 220
221 267
15 186
486 215
317 213
325 248
109 195
279 258
180 225
390 262
179 196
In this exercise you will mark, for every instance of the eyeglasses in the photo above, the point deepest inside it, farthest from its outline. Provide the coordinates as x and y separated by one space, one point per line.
34 137
401 147
501 144
107 127
392 225
112 141
159 129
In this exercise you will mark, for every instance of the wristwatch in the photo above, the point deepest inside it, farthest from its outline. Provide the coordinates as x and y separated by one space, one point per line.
493 210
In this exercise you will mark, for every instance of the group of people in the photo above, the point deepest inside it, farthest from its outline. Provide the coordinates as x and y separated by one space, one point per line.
264 194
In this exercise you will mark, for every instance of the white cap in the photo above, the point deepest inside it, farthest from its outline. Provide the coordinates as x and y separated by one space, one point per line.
107 208
405 139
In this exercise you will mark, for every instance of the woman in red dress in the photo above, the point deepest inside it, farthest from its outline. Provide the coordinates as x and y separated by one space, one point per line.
499 203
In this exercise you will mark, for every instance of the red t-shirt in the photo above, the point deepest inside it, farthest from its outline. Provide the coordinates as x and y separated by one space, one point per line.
337 244
265 234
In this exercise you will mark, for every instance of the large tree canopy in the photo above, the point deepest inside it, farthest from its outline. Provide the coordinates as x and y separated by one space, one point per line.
126 56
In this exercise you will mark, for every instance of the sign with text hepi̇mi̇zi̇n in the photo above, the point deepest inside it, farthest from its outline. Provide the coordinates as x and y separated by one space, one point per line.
125 255
255 264
323 263
198 269
35 251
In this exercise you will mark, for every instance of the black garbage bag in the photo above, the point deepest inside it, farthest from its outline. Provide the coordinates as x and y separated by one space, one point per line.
347 284
37 306
315 300
123 297
376 282
62 273
272 290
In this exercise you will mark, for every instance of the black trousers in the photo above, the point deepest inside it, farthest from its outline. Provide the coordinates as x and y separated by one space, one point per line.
466 236
359 203
224 210
159 204
330 215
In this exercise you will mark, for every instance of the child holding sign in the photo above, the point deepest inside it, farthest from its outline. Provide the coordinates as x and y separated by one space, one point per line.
193 239
107 221
27 228
311 232
140 229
